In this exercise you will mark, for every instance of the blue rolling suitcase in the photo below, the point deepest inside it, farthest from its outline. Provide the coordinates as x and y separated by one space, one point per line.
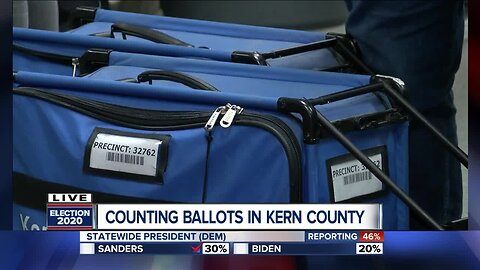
310 132
43 51
64 54
60 53
227 42
210 146
244 43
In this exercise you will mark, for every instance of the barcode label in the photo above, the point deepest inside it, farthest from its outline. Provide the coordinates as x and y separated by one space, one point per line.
125 158
354 178
127 155
350 179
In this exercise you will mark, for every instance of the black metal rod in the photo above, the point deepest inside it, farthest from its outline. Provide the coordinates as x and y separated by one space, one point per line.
346 94
325 123
343 50
334 68
300 49
412 112
399 100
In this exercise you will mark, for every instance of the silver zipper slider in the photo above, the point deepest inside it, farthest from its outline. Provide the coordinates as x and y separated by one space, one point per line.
75 63
213 118
227 119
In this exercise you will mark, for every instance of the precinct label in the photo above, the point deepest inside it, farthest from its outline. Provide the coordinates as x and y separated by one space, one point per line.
127 155
349 179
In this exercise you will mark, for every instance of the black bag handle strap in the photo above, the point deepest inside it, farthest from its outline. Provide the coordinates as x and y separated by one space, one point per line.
88 62
192 82
145 33
57 58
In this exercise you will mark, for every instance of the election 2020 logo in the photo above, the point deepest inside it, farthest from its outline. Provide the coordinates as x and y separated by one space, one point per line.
70 211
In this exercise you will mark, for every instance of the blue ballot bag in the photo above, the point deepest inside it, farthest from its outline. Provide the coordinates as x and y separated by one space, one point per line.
148 122
72 50
179 142
244 43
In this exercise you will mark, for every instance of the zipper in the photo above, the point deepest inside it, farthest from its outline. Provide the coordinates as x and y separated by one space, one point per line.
174 120
283 133
227 119
75 63
213 118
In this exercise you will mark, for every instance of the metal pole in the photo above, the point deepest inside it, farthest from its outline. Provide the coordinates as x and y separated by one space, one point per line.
412 112
325 123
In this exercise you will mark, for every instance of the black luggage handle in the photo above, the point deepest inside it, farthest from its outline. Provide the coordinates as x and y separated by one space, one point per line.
94 59
391 88
88 62
379 84
145 33
345 46
334 41
313 121
412 205
190 81
258 58
84 15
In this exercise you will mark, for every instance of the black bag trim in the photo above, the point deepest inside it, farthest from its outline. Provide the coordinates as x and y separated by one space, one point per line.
33 193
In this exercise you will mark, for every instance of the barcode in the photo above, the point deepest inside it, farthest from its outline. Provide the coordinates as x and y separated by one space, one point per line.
358 177
125 158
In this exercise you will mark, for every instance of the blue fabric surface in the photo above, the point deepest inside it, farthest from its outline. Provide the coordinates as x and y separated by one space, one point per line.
207 27
48 123
219 36
76 44
56 42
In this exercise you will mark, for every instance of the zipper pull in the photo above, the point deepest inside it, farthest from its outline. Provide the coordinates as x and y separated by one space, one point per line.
227 119
75 63
213 118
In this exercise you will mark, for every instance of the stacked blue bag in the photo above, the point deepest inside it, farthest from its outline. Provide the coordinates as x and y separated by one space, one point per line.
241 43
225 167
212 131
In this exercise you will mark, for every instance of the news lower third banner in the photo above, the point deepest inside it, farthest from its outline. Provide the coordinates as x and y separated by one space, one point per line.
232 242
77 211
218 229
239 216
401 249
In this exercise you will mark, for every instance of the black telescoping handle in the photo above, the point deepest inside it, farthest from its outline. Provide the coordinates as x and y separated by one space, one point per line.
386 85
318 45
412 205
145 33
381 84
190 81
415 115
257 58
419 118
313 120
332 41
